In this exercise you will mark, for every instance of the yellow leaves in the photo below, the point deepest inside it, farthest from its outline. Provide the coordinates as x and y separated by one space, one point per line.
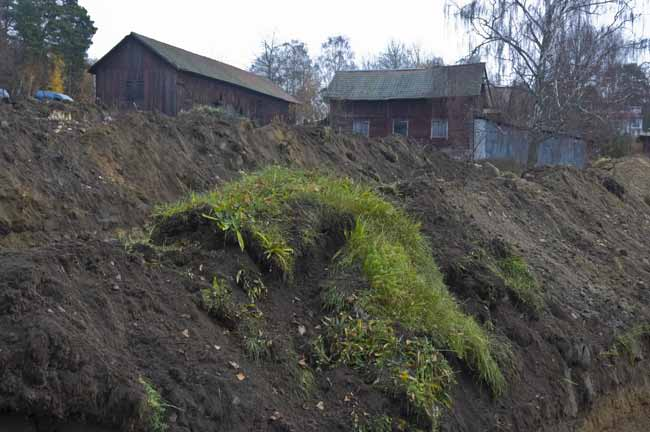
56 75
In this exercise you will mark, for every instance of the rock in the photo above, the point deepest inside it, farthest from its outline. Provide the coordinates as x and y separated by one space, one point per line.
4 124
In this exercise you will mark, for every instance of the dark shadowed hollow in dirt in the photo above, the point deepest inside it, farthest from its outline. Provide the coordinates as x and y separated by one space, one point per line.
103 317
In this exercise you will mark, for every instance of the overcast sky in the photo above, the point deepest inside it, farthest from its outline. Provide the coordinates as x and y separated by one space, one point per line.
232 30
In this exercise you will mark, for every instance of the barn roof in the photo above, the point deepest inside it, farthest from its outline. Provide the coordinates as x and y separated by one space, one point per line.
433 82
187 61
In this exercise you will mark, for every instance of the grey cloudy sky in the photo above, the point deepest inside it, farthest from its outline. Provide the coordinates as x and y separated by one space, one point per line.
231 31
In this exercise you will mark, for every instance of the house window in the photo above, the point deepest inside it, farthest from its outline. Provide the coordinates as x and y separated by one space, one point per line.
135 92
636 124
439 128
401 127
361 127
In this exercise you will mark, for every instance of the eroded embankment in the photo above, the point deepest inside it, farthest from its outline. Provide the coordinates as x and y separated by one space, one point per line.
553 264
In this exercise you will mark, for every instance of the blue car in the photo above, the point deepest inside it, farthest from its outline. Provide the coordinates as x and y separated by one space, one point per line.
4 94
50 95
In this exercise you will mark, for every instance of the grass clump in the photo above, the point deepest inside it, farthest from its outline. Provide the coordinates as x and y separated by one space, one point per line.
255 343
630 343
508 267
409 368
155 407
252 285
217 301
381 423
406 288
333 300
517 277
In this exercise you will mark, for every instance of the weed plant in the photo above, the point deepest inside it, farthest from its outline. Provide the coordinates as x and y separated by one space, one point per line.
154 406
630 343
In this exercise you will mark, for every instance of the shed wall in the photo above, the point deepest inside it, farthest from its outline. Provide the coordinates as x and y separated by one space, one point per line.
197 90
496 141
132 62
167 90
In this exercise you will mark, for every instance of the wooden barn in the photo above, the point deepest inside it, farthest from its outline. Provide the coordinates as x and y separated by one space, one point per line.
436 104
143 73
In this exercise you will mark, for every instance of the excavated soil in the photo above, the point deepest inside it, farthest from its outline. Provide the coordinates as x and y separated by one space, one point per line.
83 316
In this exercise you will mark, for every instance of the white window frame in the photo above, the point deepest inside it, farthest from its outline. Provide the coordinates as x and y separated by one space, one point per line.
407 126
446 123
367 122
636 124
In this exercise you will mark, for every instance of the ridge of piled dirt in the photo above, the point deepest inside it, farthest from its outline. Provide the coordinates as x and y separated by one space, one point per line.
85 316
65 166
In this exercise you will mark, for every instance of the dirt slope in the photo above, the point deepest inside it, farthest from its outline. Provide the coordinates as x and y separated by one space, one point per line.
83 318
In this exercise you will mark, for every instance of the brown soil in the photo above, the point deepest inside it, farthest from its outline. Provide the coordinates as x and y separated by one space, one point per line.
82 317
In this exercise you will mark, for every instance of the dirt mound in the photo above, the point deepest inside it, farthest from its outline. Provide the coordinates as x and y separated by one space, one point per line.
95 329
63 166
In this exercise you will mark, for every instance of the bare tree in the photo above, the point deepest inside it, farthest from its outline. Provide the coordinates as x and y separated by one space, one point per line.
419 58
336 55
268 62
289 65
554 48
398 55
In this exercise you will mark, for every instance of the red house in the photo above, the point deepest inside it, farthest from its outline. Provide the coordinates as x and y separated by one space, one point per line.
151 75
436 104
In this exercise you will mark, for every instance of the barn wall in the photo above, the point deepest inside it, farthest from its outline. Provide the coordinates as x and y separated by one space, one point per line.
131 63
459 111
197 90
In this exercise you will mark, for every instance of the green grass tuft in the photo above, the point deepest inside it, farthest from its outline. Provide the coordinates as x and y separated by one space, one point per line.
514 271
406 288
408 368
251 329
381 423
155 407
217 301
630 343
333 300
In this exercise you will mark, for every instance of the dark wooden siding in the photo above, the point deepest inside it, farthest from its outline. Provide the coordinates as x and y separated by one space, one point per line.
131 64
134 76
459 112
197 90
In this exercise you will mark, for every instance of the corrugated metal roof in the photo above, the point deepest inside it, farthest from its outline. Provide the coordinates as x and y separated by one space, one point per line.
189 62
437 81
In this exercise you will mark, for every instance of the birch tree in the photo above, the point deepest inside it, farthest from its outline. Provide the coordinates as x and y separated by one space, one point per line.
554 48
